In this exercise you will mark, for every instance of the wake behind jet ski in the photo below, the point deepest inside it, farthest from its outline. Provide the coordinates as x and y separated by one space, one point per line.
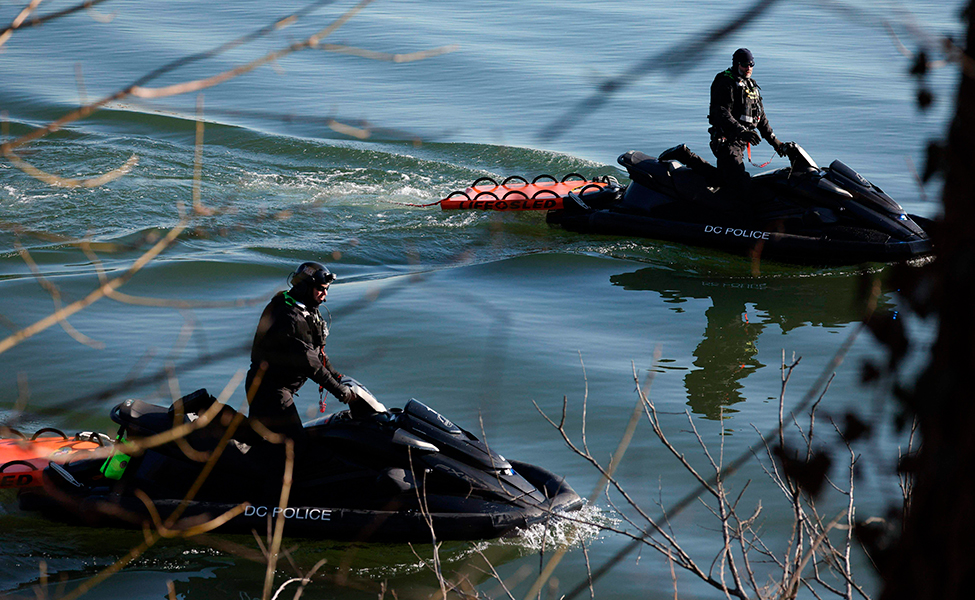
378 477
801 214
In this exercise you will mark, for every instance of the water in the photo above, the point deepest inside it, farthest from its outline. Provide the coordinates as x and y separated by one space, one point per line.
477 315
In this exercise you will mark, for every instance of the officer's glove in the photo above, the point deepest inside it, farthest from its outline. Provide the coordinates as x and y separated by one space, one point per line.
346 394
777 145
750 137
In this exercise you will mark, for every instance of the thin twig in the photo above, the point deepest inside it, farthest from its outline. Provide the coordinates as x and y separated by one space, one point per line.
95 295
18 21
387 56
672 59
55 293
22 21
736 464
289 450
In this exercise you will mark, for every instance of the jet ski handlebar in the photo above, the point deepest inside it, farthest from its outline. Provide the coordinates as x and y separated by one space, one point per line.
799 158
364 397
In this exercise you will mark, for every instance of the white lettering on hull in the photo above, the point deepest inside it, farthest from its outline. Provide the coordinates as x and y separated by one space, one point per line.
742 233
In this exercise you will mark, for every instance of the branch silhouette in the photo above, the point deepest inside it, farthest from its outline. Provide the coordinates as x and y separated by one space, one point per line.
139 85
21 20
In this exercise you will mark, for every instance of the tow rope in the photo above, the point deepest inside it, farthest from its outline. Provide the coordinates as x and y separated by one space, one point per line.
761 166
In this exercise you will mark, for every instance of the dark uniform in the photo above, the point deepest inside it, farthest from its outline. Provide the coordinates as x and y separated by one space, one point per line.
289 349
736 114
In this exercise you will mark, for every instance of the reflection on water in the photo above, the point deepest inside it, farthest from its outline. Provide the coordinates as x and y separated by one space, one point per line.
741 309
47 560
725 356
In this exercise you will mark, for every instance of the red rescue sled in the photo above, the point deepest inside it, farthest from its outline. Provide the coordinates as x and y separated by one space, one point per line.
517 193
22 460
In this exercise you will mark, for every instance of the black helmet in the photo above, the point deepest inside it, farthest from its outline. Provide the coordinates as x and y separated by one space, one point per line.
309 275
743 57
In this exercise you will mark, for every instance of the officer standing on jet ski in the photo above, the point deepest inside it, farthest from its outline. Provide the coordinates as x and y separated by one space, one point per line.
737 118
289 349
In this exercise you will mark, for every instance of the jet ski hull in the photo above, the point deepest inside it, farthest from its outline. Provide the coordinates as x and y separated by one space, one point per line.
472 520
751 242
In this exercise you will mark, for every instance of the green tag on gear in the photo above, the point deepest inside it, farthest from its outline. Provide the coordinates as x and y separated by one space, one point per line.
115 466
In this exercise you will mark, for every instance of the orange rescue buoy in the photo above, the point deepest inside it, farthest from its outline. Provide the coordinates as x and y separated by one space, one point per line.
23 460
517 193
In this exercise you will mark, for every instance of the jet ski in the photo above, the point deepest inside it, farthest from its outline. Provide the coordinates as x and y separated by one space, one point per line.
801 214
369 474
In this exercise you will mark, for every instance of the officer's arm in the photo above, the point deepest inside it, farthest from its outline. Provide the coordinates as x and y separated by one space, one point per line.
328 366
763 125
324 378
766 129
722 102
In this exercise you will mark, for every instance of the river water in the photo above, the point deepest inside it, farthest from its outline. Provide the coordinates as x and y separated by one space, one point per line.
481 316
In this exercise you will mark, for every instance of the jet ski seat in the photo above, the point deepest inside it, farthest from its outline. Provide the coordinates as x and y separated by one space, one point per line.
668 173
141 419
647 170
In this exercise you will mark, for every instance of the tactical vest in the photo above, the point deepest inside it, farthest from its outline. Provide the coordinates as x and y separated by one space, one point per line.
316 325
747 108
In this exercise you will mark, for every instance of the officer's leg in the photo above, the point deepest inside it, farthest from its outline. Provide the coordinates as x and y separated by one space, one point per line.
683 154
276 411
736 182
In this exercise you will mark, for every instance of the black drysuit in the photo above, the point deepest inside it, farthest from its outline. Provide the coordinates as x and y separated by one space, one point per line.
736 107
289 349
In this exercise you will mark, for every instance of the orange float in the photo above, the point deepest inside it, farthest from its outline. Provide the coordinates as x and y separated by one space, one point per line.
22 460
517 193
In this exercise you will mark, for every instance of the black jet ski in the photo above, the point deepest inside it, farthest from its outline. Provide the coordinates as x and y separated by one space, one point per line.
376 476
800 214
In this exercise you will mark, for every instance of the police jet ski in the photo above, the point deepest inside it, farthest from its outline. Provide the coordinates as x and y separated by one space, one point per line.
801 214
366 475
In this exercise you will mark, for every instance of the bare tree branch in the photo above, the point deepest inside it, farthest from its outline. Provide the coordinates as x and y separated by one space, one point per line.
67 182
99 293
55 293
138 88
21 19
388 56
18 21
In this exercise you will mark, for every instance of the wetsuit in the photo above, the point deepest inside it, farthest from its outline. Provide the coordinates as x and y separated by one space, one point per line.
736 108
289 349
